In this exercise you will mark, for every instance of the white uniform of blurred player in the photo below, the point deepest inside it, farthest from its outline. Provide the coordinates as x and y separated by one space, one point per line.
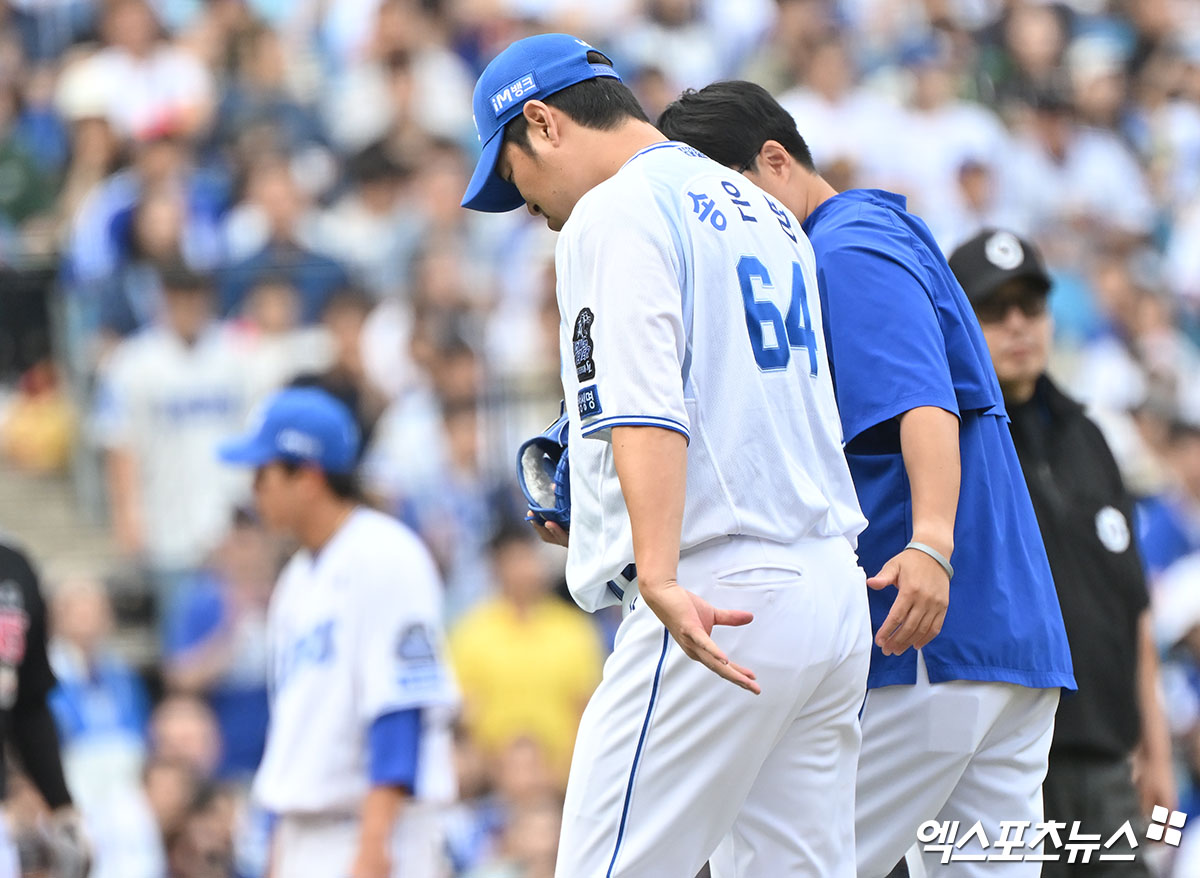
359 750
693 364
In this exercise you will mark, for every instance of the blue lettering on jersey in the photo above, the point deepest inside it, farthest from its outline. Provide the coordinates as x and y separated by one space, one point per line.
781 215
314 647
212 405
703 207
740 203
589 401
515 90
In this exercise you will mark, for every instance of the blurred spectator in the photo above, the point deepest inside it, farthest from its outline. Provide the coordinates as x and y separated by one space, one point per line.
1053 167
26 190
101 708
344 319
277 348
527 662
259 102
132 298
37 427
1170 522
673 38
396 77
839 120
100 705
202 844
1021 53
457 510
268 236
100 235
150 83
528 845
184 730
216 645
939 133
369 228
169 394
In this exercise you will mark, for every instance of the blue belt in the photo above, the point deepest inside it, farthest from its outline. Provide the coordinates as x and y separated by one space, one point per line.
623 580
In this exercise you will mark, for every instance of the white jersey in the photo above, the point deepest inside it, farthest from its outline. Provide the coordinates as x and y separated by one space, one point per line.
170 404
689 301
355 634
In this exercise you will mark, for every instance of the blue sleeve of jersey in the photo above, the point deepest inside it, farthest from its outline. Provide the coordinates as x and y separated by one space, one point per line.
392 743
885 342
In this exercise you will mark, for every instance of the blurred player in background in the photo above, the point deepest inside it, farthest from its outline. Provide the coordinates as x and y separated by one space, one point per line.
359 748
704 448
25 718
958 728
1085 515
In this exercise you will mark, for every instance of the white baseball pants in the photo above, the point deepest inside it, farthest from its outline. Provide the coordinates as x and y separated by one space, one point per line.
670 757
324 846
959 750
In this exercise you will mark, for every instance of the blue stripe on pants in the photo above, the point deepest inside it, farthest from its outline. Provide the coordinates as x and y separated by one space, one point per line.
637 755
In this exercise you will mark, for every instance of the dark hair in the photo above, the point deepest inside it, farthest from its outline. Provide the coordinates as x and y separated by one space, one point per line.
510 533
602 103
344 486
730 121
178 278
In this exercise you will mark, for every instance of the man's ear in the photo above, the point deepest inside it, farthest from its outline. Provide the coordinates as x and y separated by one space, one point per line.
543 123
774 160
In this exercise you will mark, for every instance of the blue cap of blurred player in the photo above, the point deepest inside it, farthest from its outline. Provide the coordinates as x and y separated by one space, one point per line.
301 425
535 67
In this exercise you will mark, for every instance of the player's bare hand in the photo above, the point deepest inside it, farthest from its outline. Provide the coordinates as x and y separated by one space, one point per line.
1154 779
920 607
691 619
548 531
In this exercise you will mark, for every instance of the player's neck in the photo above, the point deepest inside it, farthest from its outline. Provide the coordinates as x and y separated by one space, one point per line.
816 191
323 521
610 150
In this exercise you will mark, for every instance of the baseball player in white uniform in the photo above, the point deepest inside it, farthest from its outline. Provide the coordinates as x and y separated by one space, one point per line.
705 450
358 752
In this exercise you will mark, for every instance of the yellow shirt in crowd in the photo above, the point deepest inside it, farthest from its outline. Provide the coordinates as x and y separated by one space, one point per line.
526 676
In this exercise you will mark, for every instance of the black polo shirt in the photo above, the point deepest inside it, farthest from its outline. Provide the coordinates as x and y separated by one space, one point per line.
1086 516
26 678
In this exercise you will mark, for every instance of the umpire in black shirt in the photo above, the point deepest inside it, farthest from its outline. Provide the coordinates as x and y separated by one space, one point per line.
25 719
1110 758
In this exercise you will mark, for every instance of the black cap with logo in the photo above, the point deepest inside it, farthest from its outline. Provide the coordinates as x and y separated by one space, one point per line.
993 258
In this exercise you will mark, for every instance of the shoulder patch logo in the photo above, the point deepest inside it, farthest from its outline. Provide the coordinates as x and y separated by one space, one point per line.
585 366
416 646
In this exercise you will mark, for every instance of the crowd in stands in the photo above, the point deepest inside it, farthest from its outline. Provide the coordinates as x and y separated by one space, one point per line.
205 200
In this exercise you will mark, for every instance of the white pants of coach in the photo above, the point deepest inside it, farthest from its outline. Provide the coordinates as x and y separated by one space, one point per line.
960 751
324 846
670 758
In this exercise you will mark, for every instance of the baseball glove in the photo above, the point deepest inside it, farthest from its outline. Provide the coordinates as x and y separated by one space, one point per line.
544 474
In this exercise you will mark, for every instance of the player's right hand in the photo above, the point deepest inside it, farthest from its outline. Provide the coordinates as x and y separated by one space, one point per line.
920 607
548 530
691 619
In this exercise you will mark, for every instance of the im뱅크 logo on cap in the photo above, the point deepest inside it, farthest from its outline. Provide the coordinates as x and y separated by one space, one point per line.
512 92
1004 251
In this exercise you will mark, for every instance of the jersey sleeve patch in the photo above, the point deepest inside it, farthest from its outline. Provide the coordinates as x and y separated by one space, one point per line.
585 366
589 402
419 668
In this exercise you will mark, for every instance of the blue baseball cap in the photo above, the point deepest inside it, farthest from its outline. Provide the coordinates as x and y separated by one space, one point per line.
535 67
302 425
